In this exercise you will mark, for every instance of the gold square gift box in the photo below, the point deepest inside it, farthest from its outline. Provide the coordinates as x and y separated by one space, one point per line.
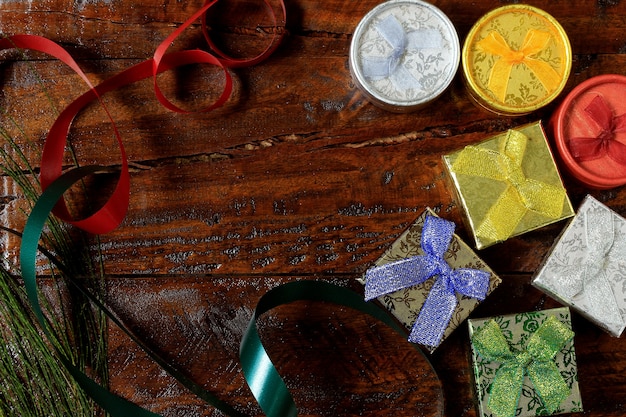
516 59
407 304
586 268
508 185
525 364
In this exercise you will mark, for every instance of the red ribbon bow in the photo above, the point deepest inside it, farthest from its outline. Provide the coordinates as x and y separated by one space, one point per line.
605 144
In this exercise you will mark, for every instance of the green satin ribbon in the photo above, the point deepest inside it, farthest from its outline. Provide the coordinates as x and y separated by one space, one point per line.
264 380
521 193
536 361
113 404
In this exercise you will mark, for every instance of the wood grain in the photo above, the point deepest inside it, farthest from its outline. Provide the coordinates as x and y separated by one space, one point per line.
296 176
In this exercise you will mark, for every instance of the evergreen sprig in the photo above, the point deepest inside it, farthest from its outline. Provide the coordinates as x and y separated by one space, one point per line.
33 382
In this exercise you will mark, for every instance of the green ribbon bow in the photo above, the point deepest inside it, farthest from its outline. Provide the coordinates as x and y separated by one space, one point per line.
536 361
521 193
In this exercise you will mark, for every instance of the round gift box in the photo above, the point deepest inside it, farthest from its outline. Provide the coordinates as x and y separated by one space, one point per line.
404 54
573 120
516 59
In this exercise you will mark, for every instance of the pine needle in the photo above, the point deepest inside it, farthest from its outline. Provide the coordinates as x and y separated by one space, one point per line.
33 383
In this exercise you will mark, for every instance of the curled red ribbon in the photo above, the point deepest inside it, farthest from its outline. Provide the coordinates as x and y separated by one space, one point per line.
112 213
231 62
605 144
55 183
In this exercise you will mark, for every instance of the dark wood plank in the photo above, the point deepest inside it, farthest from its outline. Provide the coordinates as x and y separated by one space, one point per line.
297 176
197 323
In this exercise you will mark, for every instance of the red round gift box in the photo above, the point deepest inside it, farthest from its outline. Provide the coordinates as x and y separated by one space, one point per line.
572 120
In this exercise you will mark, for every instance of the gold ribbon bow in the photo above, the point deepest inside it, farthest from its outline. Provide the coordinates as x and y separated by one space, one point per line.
521 193
534 42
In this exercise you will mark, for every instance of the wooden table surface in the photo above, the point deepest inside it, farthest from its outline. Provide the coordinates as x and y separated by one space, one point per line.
296 177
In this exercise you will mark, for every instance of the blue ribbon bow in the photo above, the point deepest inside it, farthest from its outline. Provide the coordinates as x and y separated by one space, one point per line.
400 41
441 302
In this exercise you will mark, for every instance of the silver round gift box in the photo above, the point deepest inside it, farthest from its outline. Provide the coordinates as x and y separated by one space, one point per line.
404 54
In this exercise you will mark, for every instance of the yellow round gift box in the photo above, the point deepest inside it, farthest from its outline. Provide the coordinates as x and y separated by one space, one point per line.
516 59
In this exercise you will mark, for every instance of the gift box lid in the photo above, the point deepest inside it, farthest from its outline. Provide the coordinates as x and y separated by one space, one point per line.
586 267
589 130
516 59
404 54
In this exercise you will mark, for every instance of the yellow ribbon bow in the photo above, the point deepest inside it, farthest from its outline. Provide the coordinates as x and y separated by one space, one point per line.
534 42
521 193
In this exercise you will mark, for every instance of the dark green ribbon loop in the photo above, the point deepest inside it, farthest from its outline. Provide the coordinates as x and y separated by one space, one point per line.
114 405
537 361
264 380
265 383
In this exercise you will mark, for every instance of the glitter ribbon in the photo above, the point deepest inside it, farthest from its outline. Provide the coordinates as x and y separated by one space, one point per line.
534 42
587 282
536 361
400 41
604 144
437 310
521 193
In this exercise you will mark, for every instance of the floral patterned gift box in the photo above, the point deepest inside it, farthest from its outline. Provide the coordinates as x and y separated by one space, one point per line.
525 364
508 185
586 268
589 131
404 54
413 278
516 59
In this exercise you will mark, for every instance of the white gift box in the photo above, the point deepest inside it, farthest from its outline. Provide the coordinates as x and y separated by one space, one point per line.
404 54
586 268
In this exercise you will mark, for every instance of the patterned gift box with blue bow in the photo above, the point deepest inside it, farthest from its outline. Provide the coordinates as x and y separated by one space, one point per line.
429 280
525 364
508 185
586 268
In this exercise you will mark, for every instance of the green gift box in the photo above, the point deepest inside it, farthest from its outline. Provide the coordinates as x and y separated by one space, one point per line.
525 364
508 185
406 304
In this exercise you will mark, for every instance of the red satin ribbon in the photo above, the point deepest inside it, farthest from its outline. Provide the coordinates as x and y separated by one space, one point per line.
112 213
605 144
54 182
271 47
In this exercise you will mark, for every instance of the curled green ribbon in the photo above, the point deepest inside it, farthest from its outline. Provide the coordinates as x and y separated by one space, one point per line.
263 378
521 193
536 361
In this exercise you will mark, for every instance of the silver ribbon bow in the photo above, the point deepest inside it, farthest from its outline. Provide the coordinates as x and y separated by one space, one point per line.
587 284
391 30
